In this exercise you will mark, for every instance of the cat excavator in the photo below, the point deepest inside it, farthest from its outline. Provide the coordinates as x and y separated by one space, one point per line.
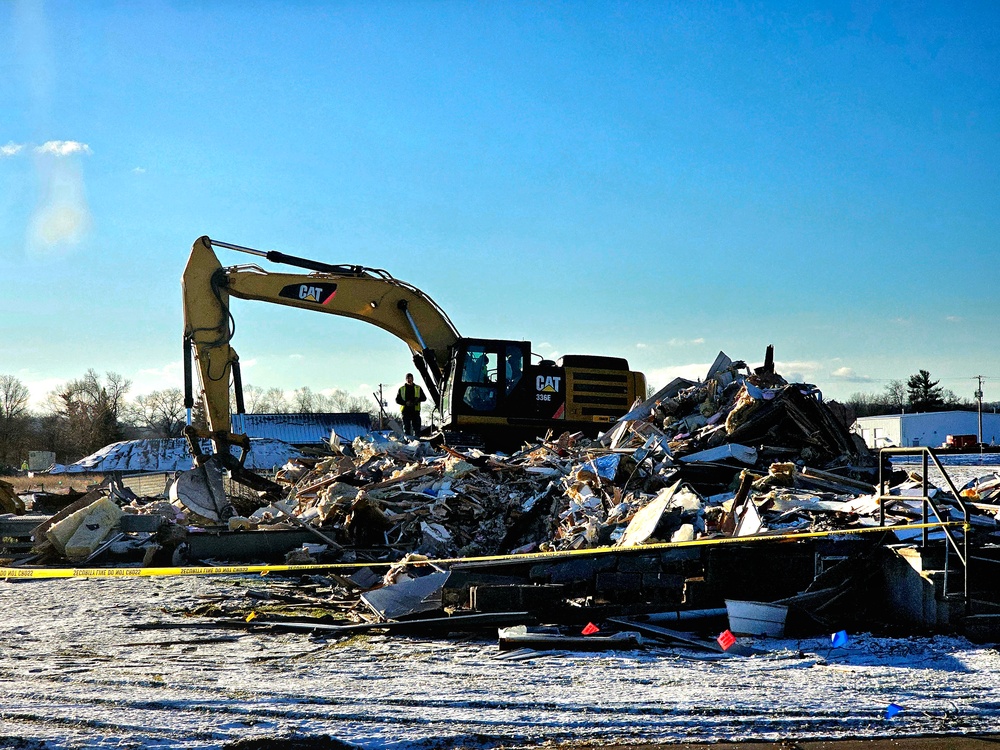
489 388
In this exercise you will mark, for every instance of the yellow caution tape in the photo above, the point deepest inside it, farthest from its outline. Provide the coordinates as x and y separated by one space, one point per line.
208 570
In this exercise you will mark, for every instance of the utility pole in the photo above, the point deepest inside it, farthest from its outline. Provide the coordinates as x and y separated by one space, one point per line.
979 398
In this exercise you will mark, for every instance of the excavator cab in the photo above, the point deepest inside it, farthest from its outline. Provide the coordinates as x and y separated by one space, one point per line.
491 388
482 379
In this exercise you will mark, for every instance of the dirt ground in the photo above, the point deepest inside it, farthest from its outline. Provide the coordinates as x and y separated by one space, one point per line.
53 483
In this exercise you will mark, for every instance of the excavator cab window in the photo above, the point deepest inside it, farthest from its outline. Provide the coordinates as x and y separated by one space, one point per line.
479 378
514 357
489 377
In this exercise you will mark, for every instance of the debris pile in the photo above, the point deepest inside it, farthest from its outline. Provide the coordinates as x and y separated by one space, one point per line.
743 453
738 454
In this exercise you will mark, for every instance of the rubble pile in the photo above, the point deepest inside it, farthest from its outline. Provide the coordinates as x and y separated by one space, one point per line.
740 453
409 497
743 453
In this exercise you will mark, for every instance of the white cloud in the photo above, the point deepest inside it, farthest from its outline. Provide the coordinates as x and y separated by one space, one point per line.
139 170
296 356
10 149
953 319
848 374
660 376
686 342
797 372
63 148
798 366
641 345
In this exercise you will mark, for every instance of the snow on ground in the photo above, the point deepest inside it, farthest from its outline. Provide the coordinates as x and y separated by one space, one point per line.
75 672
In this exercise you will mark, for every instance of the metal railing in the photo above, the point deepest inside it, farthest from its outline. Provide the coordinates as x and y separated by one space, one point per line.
927 503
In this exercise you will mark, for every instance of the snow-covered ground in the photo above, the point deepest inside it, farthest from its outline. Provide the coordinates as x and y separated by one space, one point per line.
75 672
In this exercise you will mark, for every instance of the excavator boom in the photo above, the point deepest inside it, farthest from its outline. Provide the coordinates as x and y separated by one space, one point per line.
371 295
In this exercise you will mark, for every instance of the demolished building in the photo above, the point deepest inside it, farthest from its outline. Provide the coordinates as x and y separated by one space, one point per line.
738 487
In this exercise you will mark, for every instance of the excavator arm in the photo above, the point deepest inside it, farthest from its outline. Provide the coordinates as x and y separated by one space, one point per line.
371 295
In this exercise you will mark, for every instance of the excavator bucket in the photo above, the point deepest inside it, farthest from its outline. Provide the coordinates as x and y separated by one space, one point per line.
201 491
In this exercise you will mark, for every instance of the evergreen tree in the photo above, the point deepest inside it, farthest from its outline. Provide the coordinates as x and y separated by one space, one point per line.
924 394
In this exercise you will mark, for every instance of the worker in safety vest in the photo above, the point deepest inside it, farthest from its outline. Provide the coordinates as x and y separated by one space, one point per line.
409 397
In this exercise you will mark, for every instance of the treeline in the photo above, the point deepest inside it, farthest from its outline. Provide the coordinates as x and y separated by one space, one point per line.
84 415
917 394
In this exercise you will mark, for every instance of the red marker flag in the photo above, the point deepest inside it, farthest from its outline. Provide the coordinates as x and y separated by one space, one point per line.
726 639
591 629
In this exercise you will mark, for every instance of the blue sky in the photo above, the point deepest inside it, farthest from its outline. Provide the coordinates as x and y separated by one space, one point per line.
658 181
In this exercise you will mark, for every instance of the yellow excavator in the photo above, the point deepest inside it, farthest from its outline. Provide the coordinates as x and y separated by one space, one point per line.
488 388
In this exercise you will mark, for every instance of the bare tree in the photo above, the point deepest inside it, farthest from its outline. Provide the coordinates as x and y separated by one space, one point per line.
304 401
890 401
339 400
252 397
895 395
160 413
864 404
273 402
14 397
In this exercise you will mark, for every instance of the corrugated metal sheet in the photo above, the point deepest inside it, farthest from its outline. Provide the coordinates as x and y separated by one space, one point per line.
172 455
303 429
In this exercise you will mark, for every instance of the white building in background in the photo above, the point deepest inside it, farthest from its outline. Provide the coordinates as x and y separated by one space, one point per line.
931 429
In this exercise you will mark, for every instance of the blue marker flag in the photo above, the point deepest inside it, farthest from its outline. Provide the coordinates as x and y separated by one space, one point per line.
839 639
891 710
